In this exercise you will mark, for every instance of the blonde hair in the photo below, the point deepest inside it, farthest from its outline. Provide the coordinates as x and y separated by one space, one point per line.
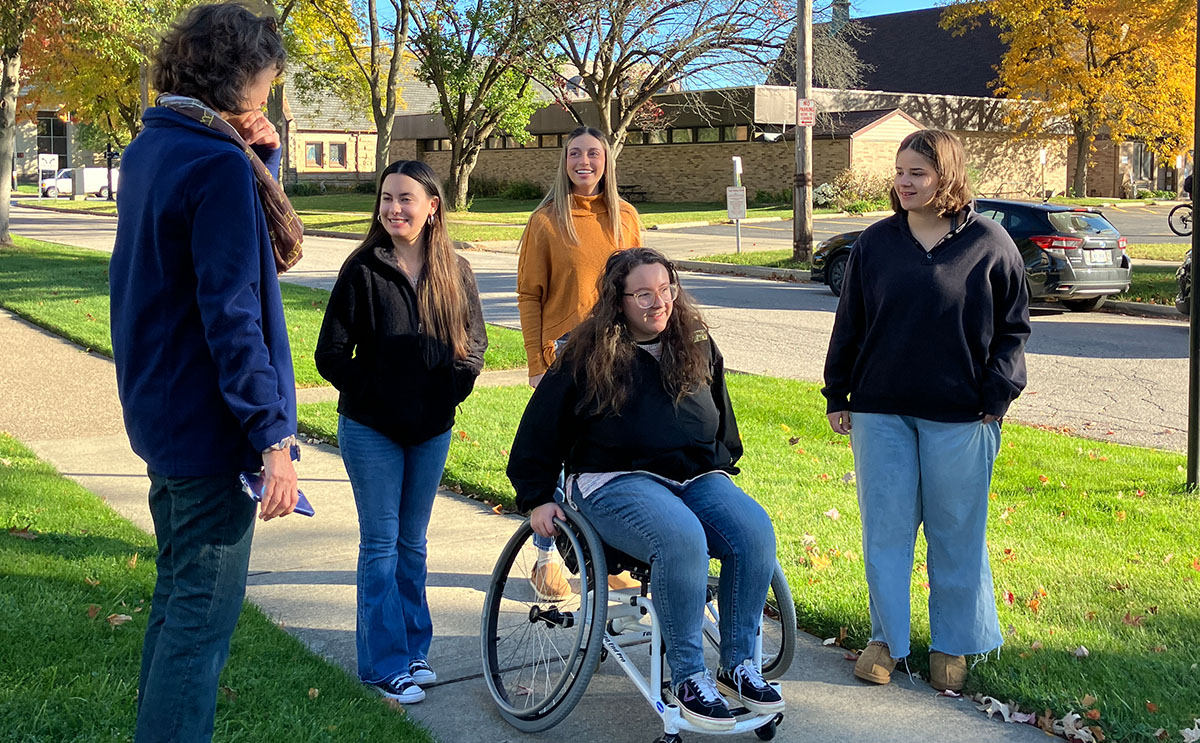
945 151
557 202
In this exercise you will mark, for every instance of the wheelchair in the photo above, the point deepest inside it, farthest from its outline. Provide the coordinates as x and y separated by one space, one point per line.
539 656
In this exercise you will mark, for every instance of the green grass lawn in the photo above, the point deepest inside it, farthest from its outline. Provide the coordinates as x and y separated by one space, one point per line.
1151 284
69 663
1099 201
26 188
65 290
768 258
1094 542
1158 251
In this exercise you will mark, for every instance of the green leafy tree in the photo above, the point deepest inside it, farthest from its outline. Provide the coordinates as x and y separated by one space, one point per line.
1127 66
474 54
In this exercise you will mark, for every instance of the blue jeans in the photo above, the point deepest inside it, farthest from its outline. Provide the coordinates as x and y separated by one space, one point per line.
394 487
546 544
675 529
911 471
204 526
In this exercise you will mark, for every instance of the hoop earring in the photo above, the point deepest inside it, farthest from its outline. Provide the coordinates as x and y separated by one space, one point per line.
431 219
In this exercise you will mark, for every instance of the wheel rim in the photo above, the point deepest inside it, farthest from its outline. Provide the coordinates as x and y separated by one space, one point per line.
837 272
773 640
538 646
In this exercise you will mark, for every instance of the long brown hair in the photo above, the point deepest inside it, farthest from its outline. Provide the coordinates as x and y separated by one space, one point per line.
601 349
558 199
441 299
945 151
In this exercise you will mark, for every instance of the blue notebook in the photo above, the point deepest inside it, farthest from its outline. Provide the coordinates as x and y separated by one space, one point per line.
252 483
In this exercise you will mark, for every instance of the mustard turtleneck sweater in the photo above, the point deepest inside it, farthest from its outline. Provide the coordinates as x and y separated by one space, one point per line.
556 280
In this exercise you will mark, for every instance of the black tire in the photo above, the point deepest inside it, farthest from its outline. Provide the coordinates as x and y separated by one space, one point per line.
1084 305
766 732
553 648
778 624
1180 220
103 192
51 193
835 272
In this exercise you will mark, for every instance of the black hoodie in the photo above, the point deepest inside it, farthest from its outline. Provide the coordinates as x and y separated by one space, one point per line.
936 334
392 375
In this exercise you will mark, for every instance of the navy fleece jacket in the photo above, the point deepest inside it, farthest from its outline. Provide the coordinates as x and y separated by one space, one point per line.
936 334
204 369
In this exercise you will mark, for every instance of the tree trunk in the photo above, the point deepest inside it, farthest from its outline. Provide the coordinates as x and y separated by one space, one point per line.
1084 136
9 74
276 115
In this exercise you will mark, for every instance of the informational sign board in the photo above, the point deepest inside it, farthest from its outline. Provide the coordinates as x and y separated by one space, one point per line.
806 112
47 161
735 202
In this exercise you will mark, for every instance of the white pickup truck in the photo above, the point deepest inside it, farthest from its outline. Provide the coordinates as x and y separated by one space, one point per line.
95 181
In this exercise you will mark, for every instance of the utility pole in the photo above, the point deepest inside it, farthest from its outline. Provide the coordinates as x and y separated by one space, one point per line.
802 229
1193 430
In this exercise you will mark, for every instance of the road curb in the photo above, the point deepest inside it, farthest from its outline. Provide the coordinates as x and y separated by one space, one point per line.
62 210
754 272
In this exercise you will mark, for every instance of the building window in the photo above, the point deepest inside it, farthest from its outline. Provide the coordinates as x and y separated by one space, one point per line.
635 137
337 155
735 133
52 136
549 140
708 134
656 137
681 136
444 145
314 154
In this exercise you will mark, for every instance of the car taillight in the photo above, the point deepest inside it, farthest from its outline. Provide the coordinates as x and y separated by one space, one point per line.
1122 243
1057 244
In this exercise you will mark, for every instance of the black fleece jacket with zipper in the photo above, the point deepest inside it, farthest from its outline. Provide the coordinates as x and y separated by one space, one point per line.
392 375
936 334
651 434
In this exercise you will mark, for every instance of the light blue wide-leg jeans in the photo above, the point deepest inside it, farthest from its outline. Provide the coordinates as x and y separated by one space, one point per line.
912 471
394 488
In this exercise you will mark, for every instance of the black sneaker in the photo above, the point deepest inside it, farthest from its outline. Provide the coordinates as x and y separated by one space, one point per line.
745 684
701 704
402 688
421 672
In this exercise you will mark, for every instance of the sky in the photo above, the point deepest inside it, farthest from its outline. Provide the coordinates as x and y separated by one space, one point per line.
877 7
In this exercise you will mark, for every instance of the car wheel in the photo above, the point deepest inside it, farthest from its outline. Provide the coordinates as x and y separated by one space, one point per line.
835 272
1084 305
103 192
51 193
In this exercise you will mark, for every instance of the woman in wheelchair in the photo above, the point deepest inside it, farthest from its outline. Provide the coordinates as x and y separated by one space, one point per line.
637 412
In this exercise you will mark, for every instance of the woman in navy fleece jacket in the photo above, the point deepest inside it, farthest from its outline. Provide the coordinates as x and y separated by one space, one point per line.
204 370
927 353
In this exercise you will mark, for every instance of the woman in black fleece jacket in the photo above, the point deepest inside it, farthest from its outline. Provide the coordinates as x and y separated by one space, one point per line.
926 355
635 409
403 340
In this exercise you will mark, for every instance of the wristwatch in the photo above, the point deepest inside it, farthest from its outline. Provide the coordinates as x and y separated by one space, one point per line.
289 442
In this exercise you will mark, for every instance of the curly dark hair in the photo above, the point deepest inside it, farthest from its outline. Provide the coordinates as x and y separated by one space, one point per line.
214 51
600 349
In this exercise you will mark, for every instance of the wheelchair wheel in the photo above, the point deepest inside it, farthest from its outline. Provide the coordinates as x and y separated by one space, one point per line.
538 656
1180 220
778 624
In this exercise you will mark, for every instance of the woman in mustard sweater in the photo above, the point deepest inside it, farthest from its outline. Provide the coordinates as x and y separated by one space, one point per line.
580 223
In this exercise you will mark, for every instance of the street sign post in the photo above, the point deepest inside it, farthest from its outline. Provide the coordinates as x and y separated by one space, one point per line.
806 112
735 200
46 162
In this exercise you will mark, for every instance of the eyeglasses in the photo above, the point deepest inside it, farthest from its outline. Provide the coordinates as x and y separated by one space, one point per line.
645 300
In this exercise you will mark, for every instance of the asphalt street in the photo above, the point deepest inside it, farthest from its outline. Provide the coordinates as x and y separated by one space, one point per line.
1111 377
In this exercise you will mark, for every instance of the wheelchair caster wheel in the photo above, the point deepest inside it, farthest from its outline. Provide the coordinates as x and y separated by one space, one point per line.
669 738
766 732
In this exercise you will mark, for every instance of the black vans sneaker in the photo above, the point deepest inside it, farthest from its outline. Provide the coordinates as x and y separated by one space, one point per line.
402 688
701 704
745 684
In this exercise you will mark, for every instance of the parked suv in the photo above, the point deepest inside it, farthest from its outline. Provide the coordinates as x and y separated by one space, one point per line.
1072 254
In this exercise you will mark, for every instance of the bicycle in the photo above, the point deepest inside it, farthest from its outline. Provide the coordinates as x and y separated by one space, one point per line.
1180 220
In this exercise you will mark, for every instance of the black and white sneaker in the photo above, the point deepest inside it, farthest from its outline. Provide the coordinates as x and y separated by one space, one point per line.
402 688
701 704
745 684
421 672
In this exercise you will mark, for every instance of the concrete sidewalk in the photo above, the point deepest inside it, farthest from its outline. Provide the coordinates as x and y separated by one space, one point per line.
62 402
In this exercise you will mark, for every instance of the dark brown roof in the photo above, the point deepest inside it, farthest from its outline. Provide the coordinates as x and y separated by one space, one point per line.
910 53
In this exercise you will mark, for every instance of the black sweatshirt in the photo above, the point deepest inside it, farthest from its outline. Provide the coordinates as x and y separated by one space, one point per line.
938 335
651 434
393 376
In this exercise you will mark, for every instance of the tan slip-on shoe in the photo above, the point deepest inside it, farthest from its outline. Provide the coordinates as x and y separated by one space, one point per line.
947 672
548 581
875 664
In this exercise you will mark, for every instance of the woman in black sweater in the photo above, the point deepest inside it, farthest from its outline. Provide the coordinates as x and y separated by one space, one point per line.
926 355
635 409
403 340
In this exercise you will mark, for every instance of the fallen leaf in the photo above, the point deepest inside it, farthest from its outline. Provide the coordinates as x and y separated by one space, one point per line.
1088 700
1045 721
1033 605
228 693
785 428
1160 648
829 641
793 441
823 476
1096 731
850 657
313 693
1010 555
1161 734
1090 616
1036 645
1092 714
498 509
1168 557
1151 707
819 562
132 562
1196 564
1120 515
808 539
1043 478
1009 598
1192 734
833 514
1131 620
93 611
1118 586
949 693
1152 609
1140 493
117 620
91 582
841 636
848 478
22 533
850 555
462 435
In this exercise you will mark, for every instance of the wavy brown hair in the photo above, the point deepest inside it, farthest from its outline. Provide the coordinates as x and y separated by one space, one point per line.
214 51
601 349
945 151
441 298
